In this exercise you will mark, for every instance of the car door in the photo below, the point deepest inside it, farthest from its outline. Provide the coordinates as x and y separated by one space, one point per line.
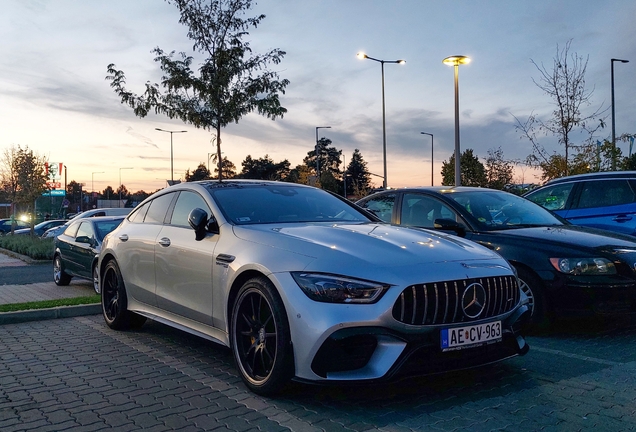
136 247
606 204
184 266
84 249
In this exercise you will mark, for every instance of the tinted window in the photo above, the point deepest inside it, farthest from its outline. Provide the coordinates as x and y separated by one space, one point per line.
139 213
158 208
381 206
552 197
605 193
421 211
186 202
104 227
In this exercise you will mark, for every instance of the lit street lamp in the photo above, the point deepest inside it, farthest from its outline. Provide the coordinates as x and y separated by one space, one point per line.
456 61
317 157
119 205
171 158
362 55
613 121
432 166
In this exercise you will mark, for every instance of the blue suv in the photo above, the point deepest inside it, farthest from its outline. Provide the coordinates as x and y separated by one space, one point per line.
605 200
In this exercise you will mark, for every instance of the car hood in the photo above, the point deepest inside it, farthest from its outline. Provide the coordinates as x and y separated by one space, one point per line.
373 243
572 236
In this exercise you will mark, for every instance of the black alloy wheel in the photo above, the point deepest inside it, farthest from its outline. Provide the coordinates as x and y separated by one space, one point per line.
115 300
261 339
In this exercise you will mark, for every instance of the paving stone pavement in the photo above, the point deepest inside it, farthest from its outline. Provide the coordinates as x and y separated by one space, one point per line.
77 374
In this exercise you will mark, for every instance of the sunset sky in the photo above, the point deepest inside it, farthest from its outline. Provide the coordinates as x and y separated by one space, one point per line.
56 101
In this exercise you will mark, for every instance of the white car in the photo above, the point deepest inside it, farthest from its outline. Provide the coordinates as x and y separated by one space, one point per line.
303 285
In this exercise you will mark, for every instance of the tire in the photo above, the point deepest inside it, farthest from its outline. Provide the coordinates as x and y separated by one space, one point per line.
59 276
115 301
260 337
532 287
95 278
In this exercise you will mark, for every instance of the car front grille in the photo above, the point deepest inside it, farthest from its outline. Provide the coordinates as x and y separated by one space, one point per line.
441 302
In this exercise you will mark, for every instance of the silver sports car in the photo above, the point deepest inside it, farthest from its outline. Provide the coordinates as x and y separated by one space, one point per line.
303 285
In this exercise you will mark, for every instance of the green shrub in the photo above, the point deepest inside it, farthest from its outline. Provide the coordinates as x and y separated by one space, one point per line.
34 247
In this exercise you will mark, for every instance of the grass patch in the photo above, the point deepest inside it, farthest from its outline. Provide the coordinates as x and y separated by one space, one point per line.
35 247
45 304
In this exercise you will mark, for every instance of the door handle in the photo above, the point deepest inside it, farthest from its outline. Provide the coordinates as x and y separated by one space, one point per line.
123 237
622 218
165 242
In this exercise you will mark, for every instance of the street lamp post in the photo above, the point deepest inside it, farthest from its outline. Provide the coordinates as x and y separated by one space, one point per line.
613 121
456 61
171 157
93 181
432 166
317 156
119 205
362 55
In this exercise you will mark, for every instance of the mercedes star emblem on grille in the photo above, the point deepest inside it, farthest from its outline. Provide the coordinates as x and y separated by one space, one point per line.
474 300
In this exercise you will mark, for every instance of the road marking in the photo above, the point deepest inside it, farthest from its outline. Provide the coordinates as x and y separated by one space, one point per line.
574 356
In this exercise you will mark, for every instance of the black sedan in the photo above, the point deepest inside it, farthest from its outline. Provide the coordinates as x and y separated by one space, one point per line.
41 228
77 249
564 269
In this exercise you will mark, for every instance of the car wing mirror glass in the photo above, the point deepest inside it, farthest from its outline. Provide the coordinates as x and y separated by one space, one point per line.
450 225
83 239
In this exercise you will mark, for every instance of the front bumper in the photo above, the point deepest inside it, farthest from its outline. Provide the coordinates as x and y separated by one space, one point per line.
344 342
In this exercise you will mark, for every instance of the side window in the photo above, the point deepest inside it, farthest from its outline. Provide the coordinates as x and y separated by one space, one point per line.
605 193
554 197
158 208
85 229
72 229
381 206
139 214
421 211
186 202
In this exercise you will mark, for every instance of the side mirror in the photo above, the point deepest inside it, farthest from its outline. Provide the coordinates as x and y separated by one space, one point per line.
198 220
450 225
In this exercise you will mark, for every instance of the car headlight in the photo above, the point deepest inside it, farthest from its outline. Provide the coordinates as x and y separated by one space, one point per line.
338 289
584 266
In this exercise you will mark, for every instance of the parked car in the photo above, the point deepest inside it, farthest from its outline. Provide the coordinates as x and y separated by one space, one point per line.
41 228
111 211
54 232
605 200
303 285
5 225
77 248
563 269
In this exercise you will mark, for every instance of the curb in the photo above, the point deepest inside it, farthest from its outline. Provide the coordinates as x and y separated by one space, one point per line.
25 258
50 313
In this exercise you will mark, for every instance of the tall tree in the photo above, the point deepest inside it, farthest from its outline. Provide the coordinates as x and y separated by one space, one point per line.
565 85
498 170
31 176
232 80
227 167
200 173
8 174
472 171
264 169
358 176
329 159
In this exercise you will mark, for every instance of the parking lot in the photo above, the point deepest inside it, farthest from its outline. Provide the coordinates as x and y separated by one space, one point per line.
76 374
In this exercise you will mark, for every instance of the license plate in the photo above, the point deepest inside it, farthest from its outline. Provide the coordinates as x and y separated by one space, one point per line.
470 336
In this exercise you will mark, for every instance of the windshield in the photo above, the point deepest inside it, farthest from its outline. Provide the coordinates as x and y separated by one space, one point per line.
496 210
104 227
261 204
